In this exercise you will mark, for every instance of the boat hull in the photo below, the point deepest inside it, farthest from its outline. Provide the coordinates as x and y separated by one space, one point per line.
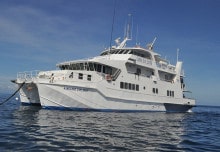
29 94
90 99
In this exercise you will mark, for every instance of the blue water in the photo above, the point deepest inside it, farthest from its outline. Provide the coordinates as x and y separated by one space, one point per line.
31 128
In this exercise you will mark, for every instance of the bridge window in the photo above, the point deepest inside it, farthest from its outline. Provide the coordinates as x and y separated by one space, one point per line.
99 68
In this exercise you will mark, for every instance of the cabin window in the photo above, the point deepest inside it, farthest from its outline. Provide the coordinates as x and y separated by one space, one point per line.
73 66
122 85
81 66
112 52
138 71
103 69
99 68
137 87
129 86
120 52
126 51
133 86
126 85
172 93
89 77
108 70
91 67
117 52
153 90
80 76
77 66
67 67
86 66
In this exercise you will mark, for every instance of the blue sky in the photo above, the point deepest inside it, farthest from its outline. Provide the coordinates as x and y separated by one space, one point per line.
36 35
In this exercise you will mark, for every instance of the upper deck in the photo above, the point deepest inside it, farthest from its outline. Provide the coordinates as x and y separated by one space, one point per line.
134 55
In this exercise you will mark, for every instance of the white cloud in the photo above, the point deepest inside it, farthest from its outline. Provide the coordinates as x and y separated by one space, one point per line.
35 29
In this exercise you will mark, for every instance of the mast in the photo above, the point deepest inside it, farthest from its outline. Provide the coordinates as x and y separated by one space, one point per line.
150 46
127 34
113 21
177 54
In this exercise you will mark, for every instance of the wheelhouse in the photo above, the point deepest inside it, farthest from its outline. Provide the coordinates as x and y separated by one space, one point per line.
88 66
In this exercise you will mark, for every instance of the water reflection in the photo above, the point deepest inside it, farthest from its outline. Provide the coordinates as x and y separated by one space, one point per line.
95 131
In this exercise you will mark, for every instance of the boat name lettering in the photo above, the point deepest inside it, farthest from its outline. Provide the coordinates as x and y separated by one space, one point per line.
145 61
74 88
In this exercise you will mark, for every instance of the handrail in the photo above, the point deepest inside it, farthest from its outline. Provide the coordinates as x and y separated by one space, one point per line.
27 75
116 74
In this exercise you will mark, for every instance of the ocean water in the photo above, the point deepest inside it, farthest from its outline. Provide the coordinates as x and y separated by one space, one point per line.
31 128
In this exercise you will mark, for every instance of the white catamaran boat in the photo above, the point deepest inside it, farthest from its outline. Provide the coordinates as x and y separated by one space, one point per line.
119 79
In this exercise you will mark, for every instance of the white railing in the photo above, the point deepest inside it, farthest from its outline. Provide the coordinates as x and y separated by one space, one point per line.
144 61
165 67
159 65
27 75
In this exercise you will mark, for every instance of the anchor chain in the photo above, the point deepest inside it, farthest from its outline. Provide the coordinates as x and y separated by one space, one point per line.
12 94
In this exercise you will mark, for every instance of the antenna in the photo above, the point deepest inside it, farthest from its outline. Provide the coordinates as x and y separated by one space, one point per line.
150 46
137 36
127 34
177 54
113 21
128 28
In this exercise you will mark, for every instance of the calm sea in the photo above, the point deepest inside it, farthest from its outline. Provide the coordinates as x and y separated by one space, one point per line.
30 128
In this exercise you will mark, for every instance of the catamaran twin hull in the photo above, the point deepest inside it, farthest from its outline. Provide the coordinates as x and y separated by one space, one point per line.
66 97
29 94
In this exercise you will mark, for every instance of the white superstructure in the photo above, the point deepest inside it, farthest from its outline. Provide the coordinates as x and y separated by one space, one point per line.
119 79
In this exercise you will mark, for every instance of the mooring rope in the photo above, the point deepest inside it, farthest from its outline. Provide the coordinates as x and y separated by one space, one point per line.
12 94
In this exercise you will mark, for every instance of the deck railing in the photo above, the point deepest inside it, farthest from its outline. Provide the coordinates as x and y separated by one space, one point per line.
27 75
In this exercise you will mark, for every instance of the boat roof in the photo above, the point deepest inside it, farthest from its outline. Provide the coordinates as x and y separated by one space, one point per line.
136 48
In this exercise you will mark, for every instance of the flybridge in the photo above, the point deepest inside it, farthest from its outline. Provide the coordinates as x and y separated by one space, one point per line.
135 51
